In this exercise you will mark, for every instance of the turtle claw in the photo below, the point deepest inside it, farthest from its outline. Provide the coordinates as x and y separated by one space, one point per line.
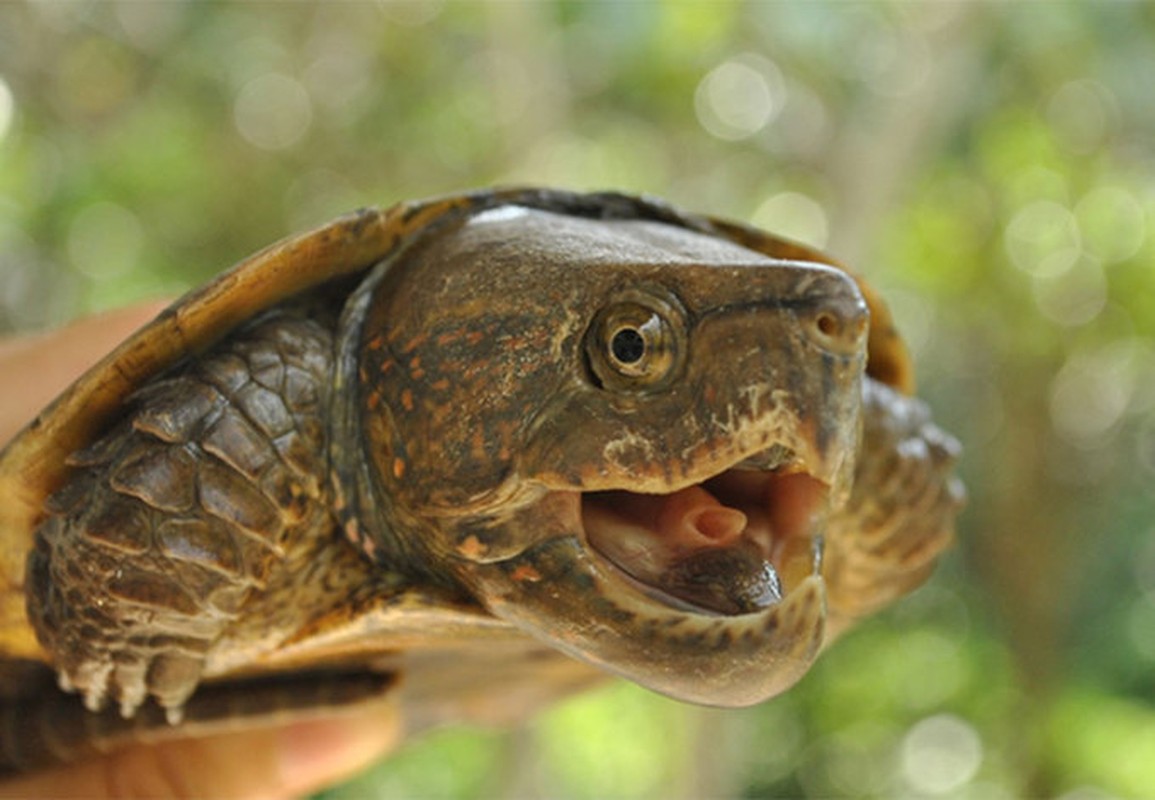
131 687
93 701
98 681
168 678
91 680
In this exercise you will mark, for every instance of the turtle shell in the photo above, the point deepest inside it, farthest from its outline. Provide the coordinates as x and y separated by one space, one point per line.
35 462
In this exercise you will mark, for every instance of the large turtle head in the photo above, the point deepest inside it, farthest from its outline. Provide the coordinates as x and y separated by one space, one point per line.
622 435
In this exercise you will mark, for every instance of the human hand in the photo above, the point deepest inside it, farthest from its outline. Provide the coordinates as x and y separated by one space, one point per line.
275 761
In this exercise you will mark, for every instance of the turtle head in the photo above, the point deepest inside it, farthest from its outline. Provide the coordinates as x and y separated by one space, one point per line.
623 436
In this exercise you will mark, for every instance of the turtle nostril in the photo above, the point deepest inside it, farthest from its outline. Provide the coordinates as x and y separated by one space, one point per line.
827 325
839 327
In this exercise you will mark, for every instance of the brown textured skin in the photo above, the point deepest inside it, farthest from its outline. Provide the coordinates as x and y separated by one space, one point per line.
271 591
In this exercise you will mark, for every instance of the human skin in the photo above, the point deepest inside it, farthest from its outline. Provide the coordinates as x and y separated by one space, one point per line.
274 761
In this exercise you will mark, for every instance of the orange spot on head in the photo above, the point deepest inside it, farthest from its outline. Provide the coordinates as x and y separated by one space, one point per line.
368 547
471 547
478 444
525 572
352 532
415 342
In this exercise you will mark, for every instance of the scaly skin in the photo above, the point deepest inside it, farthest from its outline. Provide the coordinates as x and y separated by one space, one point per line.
182 513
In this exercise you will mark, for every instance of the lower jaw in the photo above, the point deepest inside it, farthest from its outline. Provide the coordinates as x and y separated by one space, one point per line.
562 592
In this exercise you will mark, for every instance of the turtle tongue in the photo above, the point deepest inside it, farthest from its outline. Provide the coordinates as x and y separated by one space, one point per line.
688 545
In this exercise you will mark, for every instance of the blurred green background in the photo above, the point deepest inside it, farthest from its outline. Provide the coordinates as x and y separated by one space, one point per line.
990 167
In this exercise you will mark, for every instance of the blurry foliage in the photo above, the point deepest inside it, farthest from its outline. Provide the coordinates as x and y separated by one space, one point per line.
991 168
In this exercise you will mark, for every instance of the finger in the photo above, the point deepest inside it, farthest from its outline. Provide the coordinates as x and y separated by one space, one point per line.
259 764
34 369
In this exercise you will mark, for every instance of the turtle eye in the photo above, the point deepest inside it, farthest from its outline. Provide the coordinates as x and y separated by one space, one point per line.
635 344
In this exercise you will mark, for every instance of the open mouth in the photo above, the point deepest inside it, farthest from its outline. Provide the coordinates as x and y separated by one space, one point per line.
733 544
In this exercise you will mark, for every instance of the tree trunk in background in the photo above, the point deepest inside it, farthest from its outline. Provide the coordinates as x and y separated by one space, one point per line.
1025 552
883 144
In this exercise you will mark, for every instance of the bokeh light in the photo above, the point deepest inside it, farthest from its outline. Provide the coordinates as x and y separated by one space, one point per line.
1082 111
1093 390
1074 297
1112 223
1043 239
941 754
7 108
104 241
150 26
273 111
339 79
739 97
795 216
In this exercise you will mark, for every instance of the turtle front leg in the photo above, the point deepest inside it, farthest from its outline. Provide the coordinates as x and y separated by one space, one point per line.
181 515
900 516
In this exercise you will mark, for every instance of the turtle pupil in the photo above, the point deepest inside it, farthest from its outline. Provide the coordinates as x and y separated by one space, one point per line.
628 346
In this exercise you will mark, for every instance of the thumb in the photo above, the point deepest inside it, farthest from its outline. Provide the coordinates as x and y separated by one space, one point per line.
267 763
37 367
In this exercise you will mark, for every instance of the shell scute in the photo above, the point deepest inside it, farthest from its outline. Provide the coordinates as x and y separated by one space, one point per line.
152 591
227 374
238 502
120 524
266 409
299 389
235 440
202 542
164 477
174 417
100 452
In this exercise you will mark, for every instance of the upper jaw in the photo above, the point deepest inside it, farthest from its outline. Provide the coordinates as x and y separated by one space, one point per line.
777 456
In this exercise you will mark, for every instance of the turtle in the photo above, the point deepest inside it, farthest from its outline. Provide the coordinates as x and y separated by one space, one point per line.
472 453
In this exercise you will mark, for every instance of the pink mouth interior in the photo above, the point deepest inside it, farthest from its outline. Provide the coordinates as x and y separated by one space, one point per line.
733 545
